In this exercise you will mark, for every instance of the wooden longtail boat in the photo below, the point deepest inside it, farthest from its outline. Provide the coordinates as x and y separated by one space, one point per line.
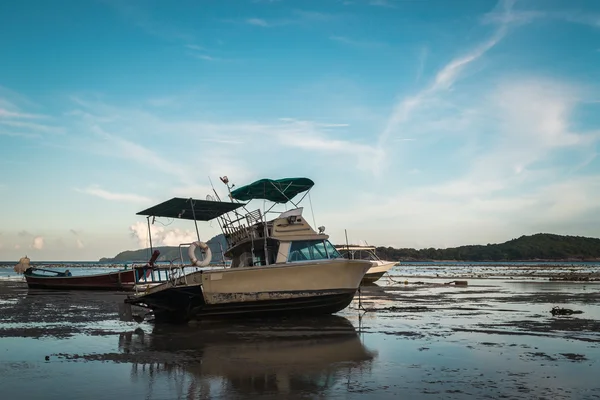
124 280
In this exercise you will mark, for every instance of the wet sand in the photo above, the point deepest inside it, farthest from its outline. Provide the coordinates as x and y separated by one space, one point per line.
494 338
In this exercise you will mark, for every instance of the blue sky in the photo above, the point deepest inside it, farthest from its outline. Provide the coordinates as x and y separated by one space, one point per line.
423 123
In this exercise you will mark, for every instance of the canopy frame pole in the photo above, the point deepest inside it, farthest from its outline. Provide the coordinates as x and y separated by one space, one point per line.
150 235
283 192
195 221
303 196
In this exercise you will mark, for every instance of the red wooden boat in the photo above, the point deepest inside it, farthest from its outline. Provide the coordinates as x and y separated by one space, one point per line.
124 280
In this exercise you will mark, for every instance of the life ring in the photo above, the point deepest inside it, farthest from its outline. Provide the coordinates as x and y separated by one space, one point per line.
192 254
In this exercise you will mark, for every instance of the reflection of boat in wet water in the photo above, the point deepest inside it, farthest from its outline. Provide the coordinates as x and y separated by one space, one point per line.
301 356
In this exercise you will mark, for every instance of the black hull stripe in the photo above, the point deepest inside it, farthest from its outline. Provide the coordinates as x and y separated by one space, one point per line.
185 303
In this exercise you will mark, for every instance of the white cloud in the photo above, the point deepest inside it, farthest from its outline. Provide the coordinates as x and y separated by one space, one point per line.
38 243
95 190
516 184
161 236
79 243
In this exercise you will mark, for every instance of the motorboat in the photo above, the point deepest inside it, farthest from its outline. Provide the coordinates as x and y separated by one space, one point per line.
378 266
279 265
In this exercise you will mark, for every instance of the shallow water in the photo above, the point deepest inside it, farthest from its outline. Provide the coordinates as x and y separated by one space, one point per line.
494 338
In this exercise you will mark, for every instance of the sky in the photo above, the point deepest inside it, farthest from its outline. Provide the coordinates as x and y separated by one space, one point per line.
423 123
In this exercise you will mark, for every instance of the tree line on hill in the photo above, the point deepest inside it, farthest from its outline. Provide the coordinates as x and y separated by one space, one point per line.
541 246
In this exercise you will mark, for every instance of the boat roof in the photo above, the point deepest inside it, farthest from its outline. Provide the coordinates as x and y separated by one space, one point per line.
194 209
354 248
275 190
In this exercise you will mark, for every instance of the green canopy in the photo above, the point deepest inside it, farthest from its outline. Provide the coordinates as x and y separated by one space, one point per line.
200 210
275 190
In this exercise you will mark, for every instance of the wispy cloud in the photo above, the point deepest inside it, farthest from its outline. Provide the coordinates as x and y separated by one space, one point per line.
518 17
17 123
297 17
195 47
202 53
257 22
11 114
124 148
206 57
312 136
95 190
143 19
357 43
444 80
33 126
423 53
20 134
382 3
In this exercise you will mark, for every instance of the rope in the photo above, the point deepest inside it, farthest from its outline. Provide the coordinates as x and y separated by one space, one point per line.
360 306
313 213
393 280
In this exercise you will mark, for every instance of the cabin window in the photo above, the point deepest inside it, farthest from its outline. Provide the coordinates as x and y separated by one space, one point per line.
333 253
312 250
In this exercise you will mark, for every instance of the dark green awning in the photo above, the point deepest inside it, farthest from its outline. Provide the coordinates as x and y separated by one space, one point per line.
275 190
203 210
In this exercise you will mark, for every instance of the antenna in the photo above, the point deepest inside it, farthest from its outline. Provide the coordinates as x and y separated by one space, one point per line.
347 245
213 188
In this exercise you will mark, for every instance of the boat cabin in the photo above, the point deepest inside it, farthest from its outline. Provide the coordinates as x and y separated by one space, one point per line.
253 239
358 252
287 238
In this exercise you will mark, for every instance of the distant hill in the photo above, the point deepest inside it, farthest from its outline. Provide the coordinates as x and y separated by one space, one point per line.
168 253
541 246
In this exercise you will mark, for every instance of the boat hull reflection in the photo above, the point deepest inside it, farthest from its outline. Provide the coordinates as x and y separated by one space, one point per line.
300 356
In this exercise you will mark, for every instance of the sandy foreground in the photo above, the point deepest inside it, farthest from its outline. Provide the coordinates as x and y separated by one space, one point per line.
493 338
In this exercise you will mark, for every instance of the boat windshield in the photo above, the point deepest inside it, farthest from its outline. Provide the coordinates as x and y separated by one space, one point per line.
312 250
362 254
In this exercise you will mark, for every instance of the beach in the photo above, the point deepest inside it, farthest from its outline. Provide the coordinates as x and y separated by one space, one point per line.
414 334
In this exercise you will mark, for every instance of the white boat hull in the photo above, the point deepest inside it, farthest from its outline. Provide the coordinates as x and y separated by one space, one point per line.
305 287
377 270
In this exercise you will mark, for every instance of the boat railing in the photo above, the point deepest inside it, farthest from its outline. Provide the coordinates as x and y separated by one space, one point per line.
146 276
180 258
236 233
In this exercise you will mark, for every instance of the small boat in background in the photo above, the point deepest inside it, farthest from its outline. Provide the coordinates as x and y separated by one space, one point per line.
123 280
364 252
